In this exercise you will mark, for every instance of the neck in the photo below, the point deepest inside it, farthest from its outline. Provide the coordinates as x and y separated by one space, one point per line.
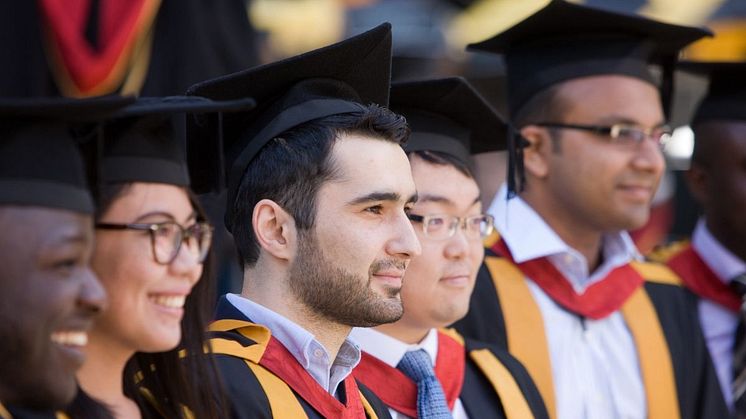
578 234
101 376
270 290
404 332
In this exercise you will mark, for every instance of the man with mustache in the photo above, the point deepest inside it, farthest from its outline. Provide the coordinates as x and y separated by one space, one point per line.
318 194
713 263
49 296
466 379
602 334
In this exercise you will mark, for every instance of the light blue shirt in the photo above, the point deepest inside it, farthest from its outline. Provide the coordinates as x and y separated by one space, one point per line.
595 368
718 323
304 347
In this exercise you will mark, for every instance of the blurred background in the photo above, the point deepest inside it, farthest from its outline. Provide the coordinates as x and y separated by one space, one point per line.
160 47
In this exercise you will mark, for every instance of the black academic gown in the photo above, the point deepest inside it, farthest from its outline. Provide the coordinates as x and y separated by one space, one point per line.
478 395
244 393
22 413
194 40
696 383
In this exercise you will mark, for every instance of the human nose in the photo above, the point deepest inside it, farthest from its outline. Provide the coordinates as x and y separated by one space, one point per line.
92 296
405 241
187 262
649 157
458 243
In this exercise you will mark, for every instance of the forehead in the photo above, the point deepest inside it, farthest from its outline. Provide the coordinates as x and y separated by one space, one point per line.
614 97
367 164
438 183
142 198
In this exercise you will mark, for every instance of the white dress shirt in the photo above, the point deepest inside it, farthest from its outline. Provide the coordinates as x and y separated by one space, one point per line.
718 323
304 347
595 367
391 351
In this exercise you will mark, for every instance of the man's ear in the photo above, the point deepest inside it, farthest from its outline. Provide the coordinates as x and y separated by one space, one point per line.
535 154
274 229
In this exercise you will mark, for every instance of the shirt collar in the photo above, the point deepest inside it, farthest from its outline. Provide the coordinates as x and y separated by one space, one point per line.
529 237
722 261
297 340
391 350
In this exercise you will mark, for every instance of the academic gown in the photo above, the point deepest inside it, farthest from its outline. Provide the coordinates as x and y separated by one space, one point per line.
696 386
11 412
190 41
484 377
252 363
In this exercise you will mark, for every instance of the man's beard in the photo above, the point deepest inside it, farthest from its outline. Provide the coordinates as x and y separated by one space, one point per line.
334 294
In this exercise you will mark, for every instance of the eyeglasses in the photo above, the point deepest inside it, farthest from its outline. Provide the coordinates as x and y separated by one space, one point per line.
441 226
622 134
166 238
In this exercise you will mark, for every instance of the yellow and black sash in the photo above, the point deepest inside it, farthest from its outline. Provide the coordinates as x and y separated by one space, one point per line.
279 374
522 314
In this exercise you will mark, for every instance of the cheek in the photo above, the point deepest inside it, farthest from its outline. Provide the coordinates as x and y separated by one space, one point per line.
476 255
126 271
426 267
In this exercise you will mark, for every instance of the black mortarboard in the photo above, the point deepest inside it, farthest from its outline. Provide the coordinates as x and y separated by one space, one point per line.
40 162
449 116
333 80
726 94
141 143
563 41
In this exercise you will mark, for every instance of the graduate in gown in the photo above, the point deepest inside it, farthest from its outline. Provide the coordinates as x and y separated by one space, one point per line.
713 263
49 297
563 288
145 356
145 47
318 191
449 122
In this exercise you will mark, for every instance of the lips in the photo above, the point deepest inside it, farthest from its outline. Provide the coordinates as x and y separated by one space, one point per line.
70 345
392 278
456 279
637 192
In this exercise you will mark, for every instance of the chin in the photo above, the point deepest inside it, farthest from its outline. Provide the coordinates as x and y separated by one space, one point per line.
161 342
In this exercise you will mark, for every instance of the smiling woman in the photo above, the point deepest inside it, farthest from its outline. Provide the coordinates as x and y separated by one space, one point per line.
152 246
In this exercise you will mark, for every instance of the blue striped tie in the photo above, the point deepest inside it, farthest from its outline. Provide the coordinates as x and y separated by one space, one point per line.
431 402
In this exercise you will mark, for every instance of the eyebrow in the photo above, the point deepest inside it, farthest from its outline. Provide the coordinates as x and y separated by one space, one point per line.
381 196
192 216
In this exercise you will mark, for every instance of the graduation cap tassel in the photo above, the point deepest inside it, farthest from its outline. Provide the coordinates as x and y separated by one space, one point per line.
516 174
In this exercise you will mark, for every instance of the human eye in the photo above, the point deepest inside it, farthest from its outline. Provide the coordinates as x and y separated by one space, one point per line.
166 229
626 134
375 209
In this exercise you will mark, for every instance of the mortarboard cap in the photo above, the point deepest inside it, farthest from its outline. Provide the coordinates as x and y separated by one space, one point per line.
142 142
40 162
333 80
563 41
726 94
449 116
